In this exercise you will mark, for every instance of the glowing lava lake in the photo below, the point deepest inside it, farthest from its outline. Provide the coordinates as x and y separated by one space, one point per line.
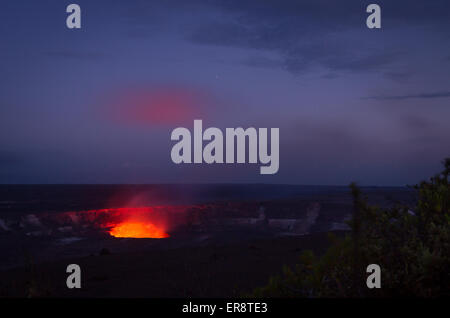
138 222
137 230
146 222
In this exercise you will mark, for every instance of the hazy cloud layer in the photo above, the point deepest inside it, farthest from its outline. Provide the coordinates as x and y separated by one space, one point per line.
412 96
326 33
99 104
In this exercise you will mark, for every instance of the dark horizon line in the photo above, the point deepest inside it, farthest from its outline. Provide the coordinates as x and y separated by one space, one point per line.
202 183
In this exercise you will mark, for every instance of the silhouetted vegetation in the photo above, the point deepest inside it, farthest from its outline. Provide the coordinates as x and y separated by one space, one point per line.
411 245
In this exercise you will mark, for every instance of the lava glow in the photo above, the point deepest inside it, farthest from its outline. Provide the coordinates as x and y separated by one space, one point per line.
137 230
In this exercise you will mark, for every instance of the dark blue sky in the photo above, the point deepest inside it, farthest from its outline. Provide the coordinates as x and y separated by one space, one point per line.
97 105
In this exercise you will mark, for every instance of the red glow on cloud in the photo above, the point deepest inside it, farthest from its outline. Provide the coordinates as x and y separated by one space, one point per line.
157 106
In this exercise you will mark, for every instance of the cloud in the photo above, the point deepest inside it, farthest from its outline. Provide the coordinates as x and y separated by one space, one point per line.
167 105
445 94
415 122
76 55
329 34
262 62
295 54
9 159
398 75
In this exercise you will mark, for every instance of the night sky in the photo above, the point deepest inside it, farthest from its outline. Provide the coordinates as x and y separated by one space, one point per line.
97 105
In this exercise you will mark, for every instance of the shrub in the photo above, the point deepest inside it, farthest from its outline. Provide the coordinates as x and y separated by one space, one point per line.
412 247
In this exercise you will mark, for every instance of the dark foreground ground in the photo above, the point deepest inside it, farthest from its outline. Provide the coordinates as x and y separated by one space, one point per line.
229 270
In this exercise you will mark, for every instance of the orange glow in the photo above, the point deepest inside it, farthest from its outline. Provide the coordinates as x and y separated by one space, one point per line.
137 230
